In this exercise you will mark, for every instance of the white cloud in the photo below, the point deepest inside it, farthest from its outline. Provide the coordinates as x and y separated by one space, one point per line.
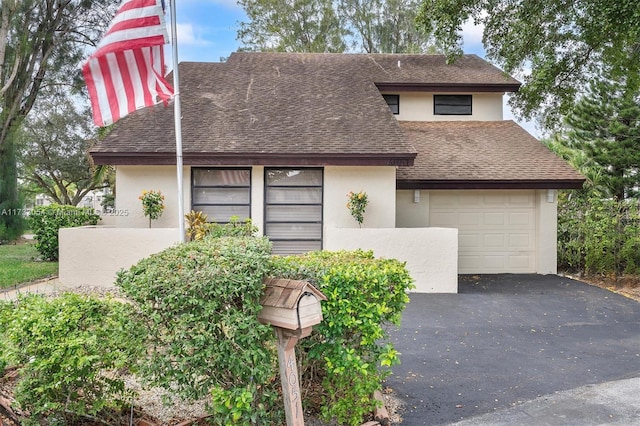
529 126
472 34
190 35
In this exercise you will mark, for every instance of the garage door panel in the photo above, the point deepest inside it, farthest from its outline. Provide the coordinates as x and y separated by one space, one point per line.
494 199
469 218
523 262
519 241
469 240
494 262
521 219
524 200
496 229
494 241
469 262
445 219
493 218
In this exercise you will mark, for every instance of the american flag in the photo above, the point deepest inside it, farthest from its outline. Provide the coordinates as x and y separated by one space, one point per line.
126 72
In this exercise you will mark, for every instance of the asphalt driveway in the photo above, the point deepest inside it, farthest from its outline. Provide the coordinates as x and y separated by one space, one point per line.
508 339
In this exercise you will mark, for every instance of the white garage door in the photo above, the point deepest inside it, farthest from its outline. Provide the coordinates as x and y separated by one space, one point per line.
497 231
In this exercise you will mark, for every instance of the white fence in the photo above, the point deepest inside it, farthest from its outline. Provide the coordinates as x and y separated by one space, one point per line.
431 253
92 255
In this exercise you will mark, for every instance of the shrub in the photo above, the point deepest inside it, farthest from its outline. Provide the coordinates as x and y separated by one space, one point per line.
64 347
357 205
152 204
199 304
234 228
45 221
198 227
347 351
598 236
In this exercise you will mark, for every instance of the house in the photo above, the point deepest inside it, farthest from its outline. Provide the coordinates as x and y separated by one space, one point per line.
283 137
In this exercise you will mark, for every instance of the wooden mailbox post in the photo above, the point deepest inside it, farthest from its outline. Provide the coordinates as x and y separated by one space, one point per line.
293 308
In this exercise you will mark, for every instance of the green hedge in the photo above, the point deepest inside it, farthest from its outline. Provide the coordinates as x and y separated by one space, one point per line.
65 348
598 236
199 303
45 221
349 351
192 328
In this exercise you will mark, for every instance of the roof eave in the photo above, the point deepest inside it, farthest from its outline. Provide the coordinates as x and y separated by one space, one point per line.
252 159
491 184
449 87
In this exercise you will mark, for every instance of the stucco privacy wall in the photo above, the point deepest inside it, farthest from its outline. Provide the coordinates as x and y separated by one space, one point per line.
132 180
431 253
92 255
418 106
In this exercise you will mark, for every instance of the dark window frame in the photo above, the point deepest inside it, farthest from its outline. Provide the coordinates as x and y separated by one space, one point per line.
194 206
452 101
387 98
266 204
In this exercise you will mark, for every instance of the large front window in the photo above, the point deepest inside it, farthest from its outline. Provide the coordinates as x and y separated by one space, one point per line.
293 209
221 193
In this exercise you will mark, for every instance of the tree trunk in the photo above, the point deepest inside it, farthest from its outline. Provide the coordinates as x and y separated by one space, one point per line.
12 221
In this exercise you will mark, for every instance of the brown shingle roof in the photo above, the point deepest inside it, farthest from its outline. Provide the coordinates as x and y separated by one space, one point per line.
289 109
481 154
255 112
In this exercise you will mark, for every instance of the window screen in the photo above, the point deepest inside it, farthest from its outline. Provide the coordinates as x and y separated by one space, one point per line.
394 103
221 193
293 209
452 104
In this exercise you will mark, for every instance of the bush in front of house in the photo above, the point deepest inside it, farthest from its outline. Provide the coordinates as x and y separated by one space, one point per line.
347 352
598 236
199 303
45 221
64 349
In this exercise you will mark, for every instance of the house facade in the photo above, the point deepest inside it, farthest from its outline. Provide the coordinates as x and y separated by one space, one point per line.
283 138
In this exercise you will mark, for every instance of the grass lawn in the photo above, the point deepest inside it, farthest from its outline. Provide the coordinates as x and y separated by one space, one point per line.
19 264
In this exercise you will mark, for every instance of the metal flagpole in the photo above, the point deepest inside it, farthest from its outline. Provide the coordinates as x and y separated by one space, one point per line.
177 119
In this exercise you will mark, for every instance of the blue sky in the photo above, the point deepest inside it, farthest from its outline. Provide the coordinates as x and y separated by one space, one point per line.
207 32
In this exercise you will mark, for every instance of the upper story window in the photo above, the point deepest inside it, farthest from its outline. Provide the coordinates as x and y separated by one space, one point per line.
452 104
394 103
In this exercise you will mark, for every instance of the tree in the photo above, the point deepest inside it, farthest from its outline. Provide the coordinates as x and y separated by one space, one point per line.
372 26
55 157
41 44
383 26
564 43
291 26
605 126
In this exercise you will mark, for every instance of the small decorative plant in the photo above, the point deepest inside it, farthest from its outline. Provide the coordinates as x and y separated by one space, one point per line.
357 204
152 204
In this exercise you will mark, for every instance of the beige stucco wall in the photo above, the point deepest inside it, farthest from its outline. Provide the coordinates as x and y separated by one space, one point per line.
547 229
378 182
92 255
431 253
132 180
412 212
418 106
